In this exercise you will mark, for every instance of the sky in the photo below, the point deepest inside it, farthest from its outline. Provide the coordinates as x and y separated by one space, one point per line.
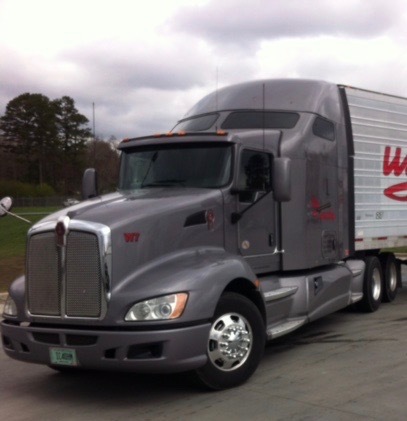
144 63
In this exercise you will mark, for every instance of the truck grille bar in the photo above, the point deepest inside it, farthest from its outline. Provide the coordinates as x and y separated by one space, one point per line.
68 281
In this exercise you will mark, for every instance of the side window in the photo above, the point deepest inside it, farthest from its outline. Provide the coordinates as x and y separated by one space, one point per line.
324 128
254 174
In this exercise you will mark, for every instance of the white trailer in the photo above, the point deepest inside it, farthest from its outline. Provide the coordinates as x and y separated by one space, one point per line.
379 125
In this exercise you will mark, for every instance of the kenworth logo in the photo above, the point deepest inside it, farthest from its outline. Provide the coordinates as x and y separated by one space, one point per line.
397 167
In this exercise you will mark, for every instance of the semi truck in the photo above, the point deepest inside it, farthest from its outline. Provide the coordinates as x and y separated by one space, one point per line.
270 204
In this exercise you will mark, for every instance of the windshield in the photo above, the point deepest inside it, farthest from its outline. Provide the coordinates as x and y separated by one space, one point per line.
204 165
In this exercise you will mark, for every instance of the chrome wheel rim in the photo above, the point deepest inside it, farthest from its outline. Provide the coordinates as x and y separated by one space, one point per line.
230 342
393 278
376 284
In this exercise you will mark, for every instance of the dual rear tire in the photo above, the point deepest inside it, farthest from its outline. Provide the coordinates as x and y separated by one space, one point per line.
381 280
391 276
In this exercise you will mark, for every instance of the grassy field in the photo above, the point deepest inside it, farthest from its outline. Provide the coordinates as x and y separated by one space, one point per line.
12 243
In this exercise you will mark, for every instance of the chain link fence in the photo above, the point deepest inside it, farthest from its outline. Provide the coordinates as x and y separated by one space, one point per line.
22 202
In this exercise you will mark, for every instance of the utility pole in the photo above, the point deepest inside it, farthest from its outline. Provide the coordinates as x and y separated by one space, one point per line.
94 135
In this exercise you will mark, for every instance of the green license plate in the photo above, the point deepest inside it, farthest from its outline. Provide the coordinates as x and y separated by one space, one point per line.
63 356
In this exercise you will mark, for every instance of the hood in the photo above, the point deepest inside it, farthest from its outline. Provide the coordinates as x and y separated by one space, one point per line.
117 209
150 223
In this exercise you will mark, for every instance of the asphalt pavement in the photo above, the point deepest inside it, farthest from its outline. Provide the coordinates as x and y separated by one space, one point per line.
345 366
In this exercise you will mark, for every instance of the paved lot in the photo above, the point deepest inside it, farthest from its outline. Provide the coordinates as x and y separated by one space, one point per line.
347 366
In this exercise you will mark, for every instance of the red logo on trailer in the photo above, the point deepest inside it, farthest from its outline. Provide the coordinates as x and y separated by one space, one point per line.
397 167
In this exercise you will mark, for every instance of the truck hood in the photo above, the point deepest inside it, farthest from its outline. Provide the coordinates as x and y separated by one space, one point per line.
151 223
117 209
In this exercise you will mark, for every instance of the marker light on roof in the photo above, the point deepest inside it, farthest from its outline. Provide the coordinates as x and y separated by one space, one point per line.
177 134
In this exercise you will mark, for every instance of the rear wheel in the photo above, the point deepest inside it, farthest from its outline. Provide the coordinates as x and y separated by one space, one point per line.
372 286
235 344
391 276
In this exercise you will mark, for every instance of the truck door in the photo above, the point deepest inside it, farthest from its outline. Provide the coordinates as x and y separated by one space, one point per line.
257 236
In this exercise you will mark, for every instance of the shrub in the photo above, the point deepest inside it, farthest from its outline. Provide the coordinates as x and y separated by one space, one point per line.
19 189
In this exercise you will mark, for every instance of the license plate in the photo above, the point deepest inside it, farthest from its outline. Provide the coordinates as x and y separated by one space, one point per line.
63 356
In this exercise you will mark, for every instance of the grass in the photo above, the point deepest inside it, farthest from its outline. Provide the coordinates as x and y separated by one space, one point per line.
13 240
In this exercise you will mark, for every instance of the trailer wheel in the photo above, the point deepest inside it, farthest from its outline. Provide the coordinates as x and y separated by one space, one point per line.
235 344
372 286
391 276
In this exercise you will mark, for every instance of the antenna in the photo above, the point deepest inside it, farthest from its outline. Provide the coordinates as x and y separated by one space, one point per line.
94 134
264 116
93 123
216 93
217 88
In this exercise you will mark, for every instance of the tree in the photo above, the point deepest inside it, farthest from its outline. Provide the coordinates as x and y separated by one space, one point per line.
10 168
48 138
72 137
104 158
29 131
71 125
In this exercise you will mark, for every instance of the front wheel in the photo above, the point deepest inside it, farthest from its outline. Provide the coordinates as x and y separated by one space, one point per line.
235 344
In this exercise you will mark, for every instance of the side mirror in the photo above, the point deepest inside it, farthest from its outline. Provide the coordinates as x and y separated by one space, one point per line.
282 179
5 209
5 206
89 184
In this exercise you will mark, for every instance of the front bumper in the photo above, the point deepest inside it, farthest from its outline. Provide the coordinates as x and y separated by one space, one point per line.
158 351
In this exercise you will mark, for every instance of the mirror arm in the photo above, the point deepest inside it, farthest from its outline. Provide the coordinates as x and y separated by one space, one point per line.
15 216
236 216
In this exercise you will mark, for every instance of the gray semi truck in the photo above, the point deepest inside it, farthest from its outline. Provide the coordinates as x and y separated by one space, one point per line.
269 205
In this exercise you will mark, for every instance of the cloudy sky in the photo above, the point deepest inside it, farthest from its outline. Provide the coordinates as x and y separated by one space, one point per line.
145 63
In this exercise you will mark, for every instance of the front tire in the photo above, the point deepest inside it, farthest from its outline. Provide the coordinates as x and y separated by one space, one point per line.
235 344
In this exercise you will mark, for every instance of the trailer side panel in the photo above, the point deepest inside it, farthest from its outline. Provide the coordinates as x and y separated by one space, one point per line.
379 125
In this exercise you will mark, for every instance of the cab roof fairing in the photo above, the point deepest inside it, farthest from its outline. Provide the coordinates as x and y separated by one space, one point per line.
297 95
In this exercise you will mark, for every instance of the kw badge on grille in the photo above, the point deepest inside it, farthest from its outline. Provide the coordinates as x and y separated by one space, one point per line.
61 231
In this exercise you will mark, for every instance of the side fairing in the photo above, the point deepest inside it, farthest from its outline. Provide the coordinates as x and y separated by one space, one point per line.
315 221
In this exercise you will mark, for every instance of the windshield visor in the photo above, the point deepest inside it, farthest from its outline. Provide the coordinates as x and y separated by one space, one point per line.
202 165
196 124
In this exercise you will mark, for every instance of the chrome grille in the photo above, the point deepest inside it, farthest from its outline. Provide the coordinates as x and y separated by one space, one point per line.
65 281
43 275
83 276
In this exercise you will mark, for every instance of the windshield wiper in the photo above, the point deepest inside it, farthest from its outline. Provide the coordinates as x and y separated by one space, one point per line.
164 183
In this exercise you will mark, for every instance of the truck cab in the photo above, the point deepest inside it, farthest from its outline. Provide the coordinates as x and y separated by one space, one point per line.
234 228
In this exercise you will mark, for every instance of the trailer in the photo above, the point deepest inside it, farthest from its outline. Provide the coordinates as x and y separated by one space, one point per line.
379 129
269 205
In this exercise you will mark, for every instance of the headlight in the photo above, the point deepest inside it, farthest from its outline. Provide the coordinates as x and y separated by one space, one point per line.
167 307
10 308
